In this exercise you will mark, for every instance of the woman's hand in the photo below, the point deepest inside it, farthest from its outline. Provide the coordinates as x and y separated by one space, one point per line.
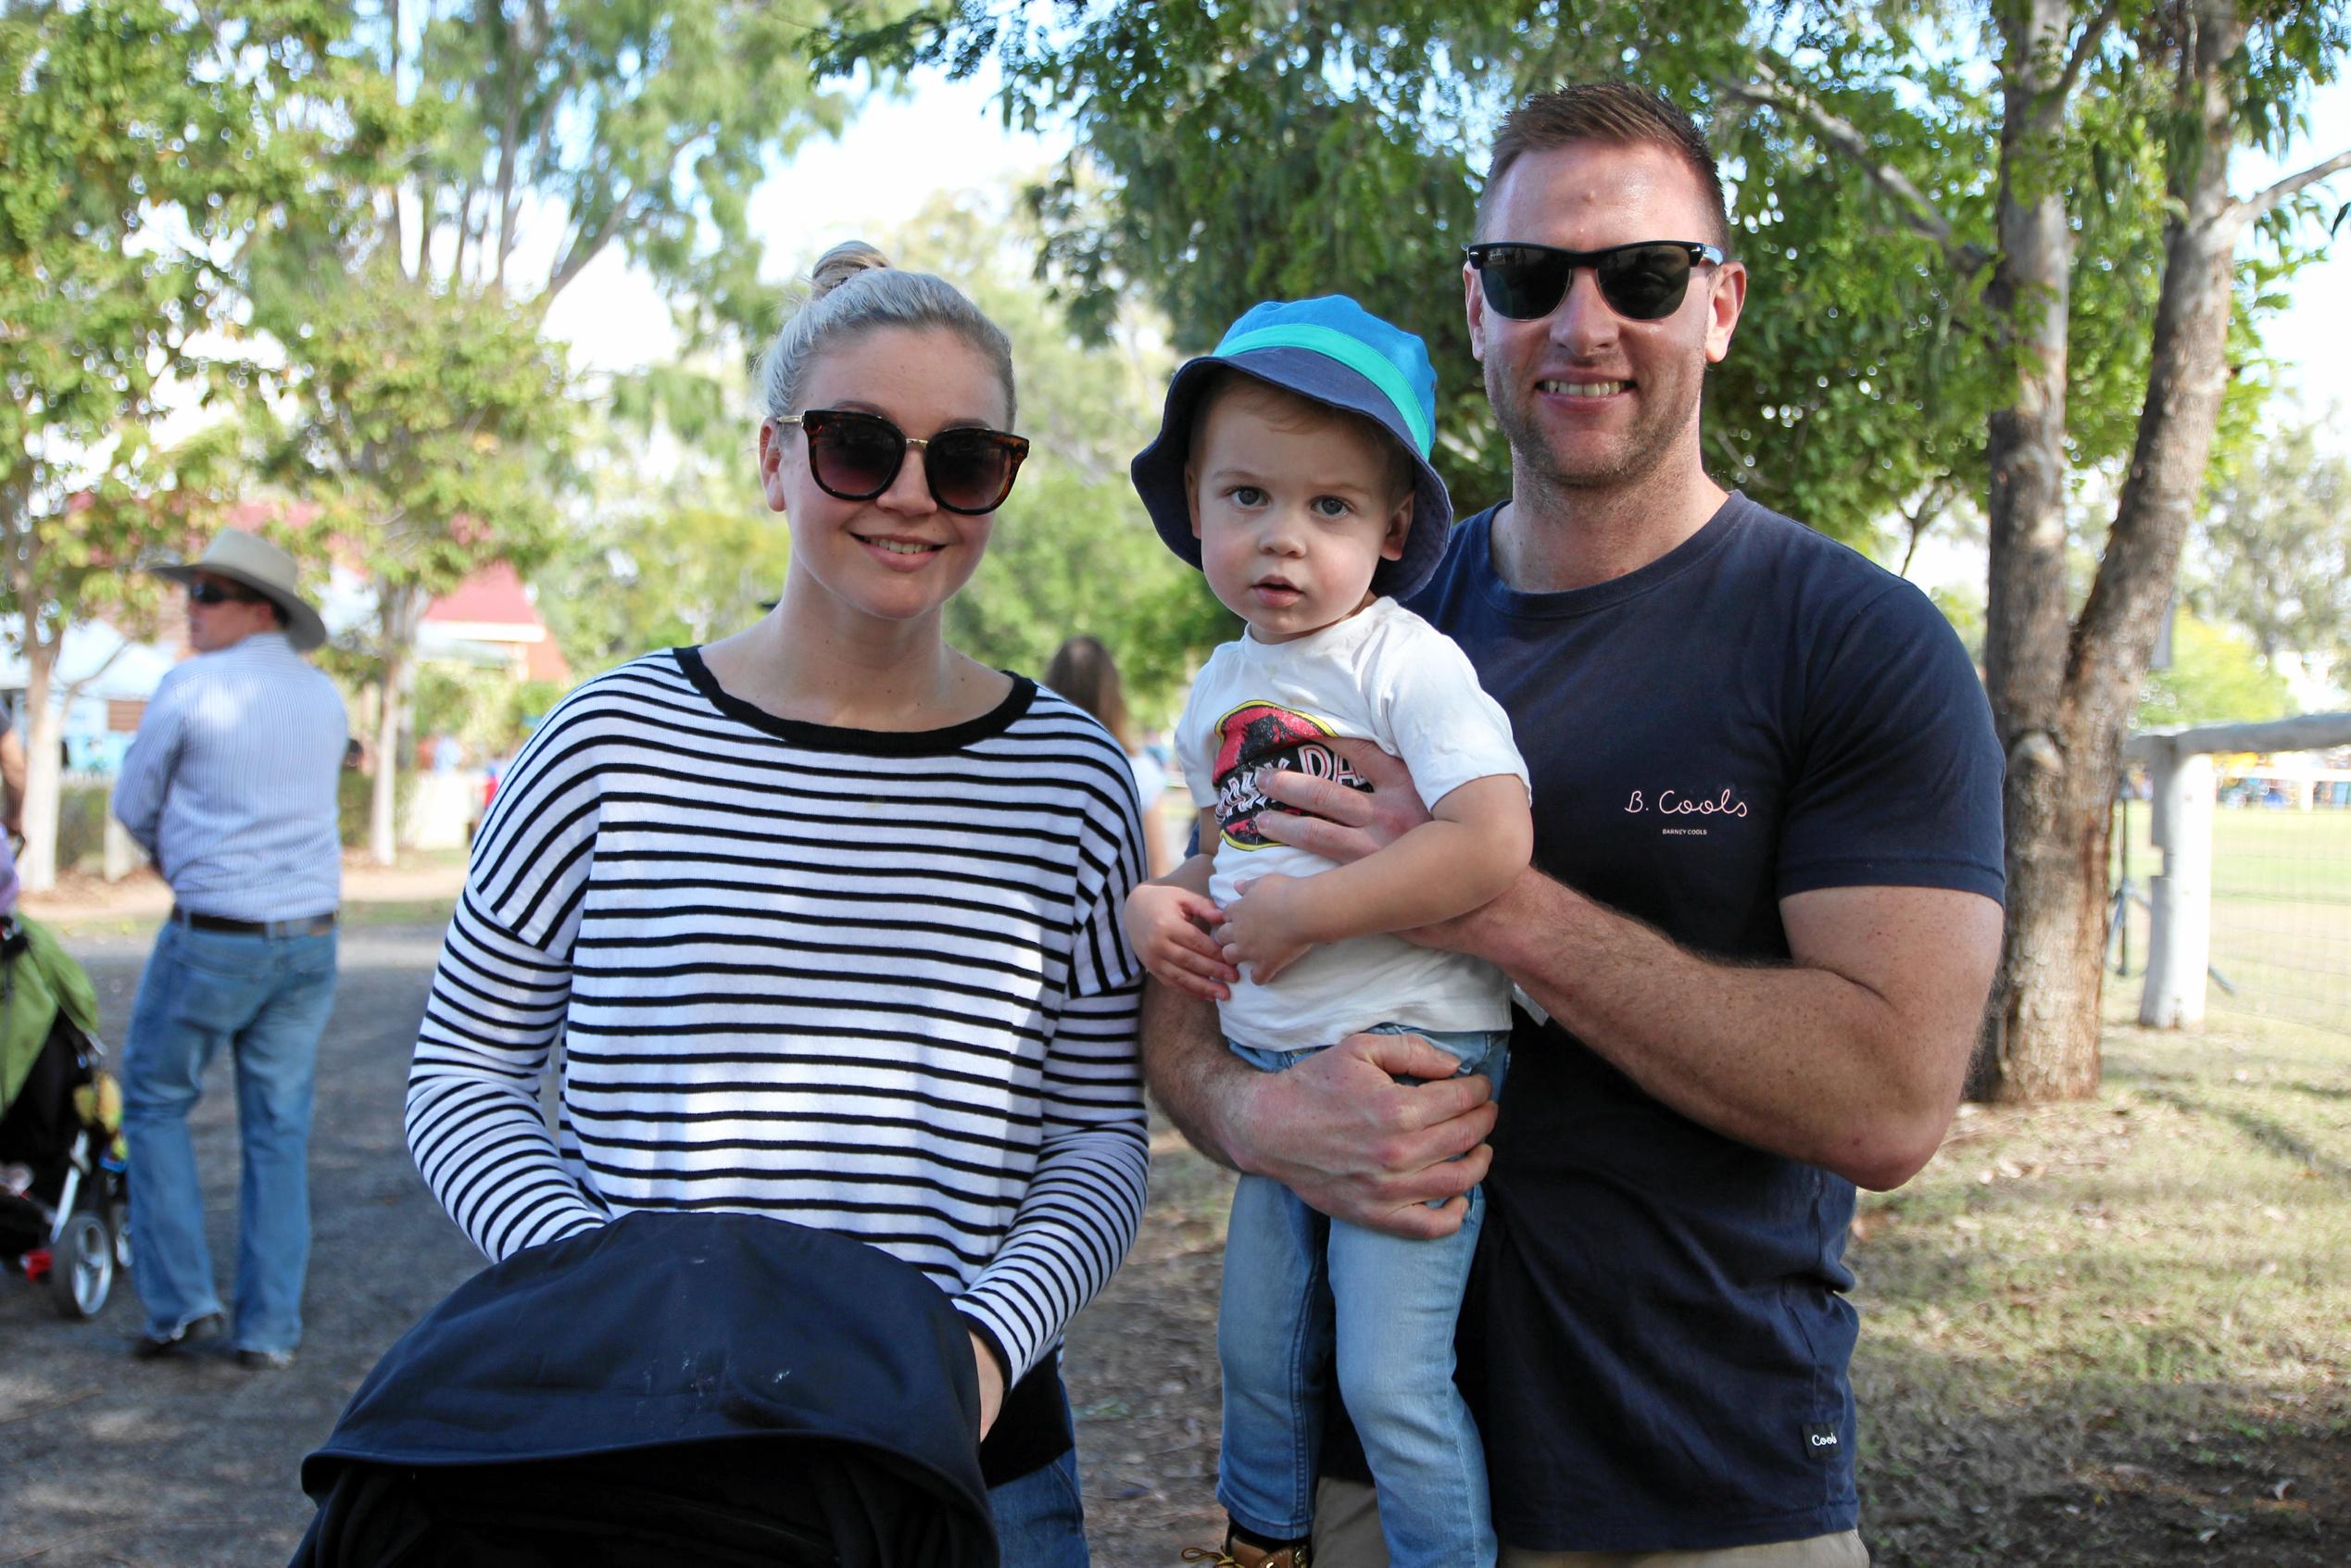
1264 928
991 1385
1170 928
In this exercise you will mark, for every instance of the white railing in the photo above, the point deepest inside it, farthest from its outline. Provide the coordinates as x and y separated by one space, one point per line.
2180 772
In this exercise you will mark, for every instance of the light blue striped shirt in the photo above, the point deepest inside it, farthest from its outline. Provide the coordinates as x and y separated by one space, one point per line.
231 783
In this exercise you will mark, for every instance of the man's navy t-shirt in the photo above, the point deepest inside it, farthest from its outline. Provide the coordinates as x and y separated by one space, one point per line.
1657 1337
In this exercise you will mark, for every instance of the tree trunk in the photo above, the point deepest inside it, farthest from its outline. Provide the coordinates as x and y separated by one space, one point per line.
2043 1026
396 610
383 824
2065 746
2187 372
2049 972
44 779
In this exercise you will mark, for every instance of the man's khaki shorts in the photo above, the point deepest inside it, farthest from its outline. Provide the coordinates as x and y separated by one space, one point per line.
1347 1536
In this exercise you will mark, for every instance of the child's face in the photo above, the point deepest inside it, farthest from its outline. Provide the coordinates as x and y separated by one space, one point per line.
1294 509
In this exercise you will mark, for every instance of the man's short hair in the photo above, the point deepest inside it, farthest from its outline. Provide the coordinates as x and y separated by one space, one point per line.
1617 114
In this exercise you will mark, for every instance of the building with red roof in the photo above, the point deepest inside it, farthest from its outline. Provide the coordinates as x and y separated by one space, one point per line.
489 619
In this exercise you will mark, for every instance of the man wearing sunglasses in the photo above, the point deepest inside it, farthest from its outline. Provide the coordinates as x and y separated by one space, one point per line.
230 786
1754 946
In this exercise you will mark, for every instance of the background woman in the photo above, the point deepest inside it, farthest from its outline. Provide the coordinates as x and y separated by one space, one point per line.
1083 670
826 914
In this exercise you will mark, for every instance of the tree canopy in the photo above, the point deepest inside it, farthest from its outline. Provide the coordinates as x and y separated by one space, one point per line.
140 157
2272 550
1992 250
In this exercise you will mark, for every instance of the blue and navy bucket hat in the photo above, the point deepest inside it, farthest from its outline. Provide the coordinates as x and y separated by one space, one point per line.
1334 352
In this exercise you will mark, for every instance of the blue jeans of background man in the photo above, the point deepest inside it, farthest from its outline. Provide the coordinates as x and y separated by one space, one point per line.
264 999
1297 1283
1039 1521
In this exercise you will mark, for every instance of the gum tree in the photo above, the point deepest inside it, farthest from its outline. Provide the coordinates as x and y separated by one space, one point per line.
1994 248
421 424
540 136
139 154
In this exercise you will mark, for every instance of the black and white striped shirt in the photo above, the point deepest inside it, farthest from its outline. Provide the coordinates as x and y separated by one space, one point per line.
873 982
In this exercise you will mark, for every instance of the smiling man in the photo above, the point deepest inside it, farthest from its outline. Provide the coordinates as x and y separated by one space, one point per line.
1754 942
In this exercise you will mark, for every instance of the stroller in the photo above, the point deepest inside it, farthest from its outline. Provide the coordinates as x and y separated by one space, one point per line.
64 1199
715 1389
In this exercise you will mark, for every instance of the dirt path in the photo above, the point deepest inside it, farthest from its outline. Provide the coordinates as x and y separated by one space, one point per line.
176 1465
106 1462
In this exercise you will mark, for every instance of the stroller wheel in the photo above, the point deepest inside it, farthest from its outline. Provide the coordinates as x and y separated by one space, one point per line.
81 1266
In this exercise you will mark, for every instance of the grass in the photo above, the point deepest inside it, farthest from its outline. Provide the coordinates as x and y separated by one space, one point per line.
2097 1335
2281 911
2119 1332
410 911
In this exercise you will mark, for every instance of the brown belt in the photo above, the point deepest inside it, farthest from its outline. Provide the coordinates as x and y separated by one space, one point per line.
309 925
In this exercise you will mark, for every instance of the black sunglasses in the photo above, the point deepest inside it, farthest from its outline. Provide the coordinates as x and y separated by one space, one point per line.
1644 281
856 456
213 593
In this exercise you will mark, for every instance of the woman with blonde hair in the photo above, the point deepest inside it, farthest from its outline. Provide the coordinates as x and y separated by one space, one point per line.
826 914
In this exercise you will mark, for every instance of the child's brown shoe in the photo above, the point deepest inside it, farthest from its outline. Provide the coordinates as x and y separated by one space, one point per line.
1238 1553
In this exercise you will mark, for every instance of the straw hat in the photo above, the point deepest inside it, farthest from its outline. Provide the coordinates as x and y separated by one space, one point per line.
254 563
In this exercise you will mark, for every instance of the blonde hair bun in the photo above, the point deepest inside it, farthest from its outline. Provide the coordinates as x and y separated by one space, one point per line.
891 298
840 264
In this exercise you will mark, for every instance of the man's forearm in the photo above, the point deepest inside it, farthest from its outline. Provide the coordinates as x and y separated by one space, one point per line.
12 780
1191 1075
1800 1060
1435 873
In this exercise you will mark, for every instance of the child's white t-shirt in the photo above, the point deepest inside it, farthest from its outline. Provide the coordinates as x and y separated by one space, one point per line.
1382 674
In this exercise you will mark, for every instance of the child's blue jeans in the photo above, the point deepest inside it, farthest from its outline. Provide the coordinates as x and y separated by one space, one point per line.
1297 1283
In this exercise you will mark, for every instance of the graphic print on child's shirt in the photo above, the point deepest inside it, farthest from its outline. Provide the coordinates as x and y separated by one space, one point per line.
1257 737
1385 679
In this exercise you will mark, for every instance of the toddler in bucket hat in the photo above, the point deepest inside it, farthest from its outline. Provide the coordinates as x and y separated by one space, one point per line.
1332 352
1291 466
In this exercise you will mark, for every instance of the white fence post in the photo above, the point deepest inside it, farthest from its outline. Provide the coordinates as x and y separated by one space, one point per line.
2179 764
2180 943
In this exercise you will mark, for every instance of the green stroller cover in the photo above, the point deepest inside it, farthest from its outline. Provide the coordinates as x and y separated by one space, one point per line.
40 983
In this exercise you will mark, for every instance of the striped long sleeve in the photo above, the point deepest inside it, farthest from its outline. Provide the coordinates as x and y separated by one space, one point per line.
872 982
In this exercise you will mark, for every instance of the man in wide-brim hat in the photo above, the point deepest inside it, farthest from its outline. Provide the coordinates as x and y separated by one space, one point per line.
231 786
250 570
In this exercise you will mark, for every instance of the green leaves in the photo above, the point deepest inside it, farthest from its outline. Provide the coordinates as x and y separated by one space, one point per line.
426 423
644 124
138 158
1232 152
2272 554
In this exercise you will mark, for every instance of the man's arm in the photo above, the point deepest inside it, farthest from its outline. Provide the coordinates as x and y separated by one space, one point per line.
1337 1129
139 788
1850 1057
1470 849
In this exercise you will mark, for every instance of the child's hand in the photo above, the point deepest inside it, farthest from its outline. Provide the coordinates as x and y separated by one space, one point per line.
1169 927
1264 926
